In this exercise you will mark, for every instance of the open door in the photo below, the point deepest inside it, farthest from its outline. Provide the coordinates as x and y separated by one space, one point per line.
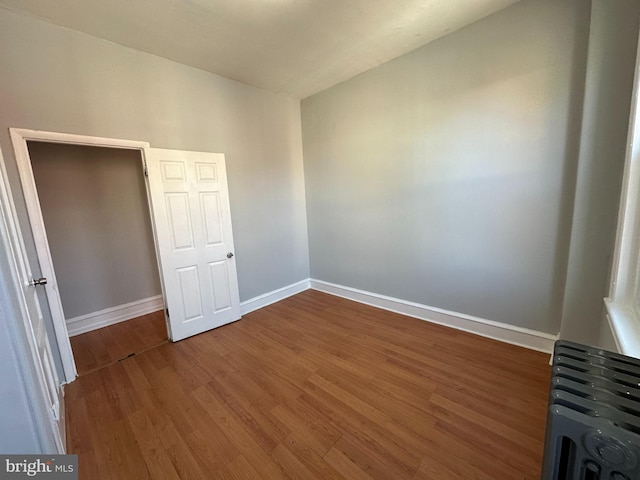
192 219
49 392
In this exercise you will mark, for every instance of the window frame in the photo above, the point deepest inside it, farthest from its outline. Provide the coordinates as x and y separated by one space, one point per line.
623 300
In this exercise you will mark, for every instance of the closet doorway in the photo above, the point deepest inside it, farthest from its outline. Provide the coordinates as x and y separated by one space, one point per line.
96 215
188 209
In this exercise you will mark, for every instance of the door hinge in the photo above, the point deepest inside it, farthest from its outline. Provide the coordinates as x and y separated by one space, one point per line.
146 170
167 311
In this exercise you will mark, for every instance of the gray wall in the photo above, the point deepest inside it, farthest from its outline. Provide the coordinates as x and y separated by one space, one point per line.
445 176
95 210
611 62
59 80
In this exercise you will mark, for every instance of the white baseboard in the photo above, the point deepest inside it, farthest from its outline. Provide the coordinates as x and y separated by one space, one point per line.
268 298
523 337
113 315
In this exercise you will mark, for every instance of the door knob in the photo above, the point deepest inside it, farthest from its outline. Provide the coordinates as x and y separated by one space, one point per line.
38 281
229 255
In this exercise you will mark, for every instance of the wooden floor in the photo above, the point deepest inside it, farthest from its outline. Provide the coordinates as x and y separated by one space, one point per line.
99 348
315 387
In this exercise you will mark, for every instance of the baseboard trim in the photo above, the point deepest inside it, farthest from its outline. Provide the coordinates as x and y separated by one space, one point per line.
113 315
523 337
268 298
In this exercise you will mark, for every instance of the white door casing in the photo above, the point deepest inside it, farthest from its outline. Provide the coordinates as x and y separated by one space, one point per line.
218 290
19 138
192 216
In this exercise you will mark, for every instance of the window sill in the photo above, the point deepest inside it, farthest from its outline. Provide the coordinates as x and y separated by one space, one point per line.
625 326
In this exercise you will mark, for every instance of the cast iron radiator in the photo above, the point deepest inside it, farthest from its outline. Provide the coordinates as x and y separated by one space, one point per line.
593 421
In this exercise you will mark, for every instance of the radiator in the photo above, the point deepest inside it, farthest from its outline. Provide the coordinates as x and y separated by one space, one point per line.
593 421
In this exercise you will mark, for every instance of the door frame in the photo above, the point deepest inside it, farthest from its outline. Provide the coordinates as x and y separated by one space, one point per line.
19 138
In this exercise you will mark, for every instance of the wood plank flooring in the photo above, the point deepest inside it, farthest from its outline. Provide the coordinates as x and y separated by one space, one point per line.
99 348
315 387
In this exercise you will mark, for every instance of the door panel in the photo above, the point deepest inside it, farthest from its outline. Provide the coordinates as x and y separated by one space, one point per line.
212 218
190 293
219 280
179 221
192 217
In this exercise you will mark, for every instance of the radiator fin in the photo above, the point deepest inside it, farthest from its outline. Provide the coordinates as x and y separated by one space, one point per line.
593 421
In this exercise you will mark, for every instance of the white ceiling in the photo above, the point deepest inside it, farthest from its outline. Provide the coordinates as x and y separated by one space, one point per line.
296 47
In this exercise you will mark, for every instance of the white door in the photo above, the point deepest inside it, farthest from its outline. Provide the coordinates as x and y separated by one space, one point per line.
50 395
192 218
52 387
